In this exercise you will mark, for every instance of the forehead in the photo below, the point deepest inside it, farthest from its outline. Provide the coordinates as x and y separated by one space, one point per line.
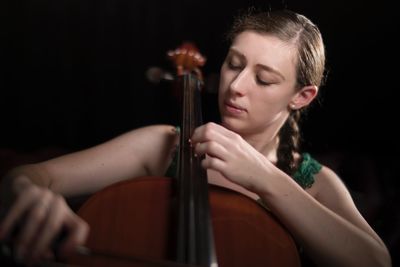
267 50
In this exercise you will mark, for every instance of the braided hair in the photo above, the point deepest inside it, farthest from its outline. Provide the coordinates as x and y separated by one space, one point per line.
306 37
289 141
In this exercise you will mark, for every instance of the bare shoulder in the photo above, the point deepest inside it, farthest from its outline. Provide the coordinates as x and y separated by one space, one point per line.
330 190
154 144
163 135
145 138
157 129
332 193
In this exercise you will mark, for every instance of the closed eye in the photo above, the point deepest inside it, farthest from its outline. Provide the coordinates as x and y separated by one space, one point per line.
262 82
234 66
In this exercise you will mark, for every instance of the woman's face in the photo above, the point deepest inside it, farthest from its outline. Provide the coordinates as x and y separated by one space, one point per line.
257 83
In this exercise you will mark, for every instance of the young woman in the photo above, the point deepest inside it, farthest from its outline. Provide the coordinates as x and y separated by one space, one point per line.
273 71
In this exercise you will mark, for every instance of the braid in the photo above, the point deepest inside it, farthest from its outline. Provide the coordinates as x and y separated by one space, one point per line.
289 139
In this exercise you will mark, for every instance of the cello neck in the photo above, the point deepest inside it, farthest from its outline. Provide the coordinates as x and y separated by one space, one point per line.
195 241
195 235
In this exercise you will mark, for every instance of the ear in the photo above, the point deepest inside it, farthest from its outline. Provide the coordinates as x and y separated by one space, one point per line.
303 97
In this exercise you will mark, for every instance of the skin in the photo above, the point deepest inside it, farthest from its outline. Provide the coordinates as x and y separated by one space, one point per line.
257 91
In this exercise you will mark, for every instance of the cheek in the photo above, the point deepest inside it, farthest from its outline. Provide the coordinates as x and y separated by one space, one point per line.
269 103
268 112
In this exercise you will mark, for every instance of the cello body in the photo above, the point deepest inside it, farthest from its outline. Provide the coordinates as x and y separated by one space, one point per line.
134 221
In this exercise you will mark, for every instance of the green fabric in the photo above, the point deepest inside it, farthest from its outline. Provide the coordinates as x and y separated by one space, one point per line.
304 175
172 170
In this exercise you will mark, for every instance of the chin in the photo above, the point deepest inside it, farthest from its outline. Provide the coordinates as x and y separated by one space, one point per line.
232 124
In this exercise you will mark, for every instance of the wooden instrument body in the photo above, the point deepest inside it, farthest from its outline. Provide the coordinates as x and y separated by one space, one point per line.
135 220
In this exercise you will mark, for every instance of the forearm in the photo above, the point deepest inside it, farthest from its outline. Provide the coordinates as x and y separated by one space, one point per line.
329 239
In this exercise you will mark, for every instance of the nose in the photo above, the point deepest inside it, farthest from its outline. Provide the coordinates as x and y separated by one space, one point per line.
240 83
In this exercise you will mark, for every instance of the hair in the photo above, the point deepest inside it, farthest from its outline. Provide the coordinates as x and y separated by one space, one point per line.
298 30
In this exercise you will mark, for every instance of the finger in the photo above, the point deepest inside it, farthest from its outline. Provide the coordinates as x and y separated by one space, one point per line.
32 225
212 132
49 229
78 232
17 210
212 149
214 164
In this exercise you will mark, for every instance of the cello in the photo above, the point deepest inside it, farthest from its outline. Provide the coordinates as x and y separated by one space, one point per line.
162 221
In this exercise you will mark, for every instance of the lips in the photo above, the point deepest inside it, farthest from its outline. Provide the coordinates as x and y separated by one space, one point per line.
234 108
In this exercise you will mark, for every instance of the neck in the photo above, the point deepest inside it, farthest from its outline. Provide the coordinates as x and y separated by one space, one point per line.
264 139
265 144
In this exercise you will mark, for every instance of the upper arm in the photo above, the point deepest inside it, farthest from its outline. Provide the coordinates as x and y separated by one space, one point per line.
140 152
333 194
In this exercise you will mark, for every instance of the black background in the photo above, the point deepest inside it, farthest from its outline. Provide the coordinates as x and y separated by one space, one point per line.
72 75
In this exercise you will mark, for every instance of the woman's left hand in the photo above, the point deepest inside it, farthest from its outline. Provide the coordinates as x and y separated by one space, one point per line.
229 154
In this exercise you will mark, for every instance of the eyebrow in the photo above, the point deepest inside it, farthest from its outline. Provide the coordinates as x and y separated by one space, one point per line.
264 67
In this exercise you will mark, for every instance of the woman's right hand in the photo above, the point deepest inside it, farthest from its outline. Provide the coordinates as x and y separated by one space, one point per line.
34 218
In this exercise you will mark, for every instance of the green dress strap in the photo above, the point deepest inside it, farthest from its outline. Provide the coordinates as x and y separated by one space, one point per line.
172 170
308 167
